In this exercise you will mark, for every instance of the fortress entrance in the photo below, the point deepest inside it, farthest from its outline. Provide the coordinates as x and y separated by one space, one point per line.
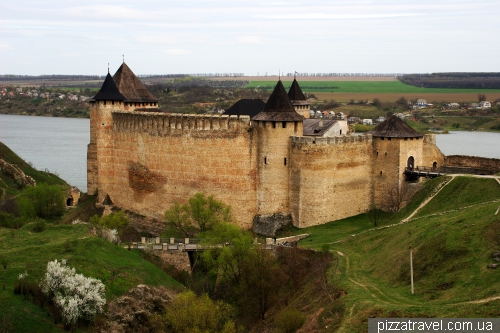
410 163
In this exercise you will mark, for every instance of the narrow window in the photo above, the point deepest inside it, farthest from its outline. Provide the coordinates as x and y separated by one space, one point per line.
377 153
406 139
380 173
389 139
274 124
385 153
283 124
382 138
265 160
104 102
340 132
112 102
285 160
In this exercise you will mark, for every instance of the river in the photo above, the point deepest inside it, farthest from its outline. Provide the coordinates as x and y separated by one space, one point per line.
60 144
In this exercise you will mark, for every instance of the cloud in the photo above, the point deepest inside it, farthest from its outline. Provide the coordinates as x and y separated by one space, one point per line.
250 39
176 52
5 47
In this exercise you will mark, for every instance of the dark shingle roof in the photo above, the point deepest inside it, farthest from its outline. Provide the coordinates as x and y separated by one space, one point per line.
312 126
278 107
295 93
393 127
250 107
131 87
109 91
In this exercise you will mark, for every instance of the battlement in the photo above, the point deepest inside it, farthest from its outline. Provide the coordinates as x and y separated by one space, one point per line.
160 123
337 140
430 138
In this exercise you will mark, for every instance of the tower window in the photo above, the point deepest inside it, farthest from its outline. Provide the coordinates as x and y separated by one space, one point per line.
377 153
274 124
284 124
112 102
285 161
385 153
104 102
265 160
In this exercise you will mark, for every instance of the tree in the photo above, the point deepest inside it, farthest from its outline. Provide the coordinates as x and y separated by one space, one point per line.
402 102
45 201
374 214
481 98
261 281
199 214
188 313
77 296
377 103
110 227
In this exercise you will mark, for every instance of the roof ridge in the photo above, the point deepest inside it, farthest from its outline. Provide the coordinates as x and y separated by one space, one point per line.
295 93
131 87
109 91
279 107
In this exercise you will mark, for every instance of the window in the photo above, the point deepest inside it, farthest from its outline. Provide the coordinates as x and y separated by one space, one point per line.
283 124
104 102
285 161
382 138
377 153
265 160
385 153
112 102
274 124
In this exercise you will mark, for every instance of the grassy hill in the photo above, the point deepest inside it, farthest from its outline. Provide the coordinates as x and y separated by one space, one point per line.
27 251
453 238
7 185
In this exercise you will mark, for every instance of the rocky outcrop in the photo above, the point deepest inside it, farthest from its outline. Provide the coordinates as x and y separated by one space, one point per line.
132 312
267 225
17 174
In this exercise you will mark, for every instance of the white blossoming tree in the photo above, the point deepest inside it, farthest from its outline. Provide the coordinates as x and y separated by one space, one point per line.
77 296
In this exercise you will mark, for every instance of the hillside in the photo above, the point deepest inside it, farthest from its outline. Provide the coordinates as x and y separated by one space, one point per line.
8 187
25 251
453 237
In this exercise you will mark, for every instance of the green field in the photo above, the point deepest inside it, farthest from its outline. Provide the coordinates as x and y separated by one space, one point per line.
453 238
384 87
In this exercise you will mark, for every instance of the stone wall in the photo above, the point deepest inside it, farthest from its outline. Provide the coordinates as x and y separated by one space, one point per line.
431 152
330 178
489 165
160 158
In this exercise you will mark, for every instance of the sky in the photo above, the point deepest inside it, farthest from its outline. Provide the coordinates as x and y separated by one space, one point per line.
254 37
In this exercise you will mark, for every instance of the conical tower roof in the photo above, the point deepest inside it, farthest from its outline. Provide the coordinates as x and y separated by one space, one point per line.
278 107
295 93
394 127
109 91
131 87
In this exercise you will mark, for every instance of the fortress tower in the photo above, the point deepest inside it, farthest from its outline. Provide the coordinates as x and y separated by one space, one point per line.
274 126
123 91
299 101
395 146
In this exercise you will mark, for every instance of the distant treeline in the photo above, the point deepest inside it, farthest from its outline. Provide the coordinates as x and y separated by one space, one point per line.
12 77
453 80
303 87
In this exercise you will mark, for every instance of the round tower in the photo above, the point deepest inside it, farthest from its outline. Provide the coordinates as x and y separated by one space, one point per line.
299 101
274 126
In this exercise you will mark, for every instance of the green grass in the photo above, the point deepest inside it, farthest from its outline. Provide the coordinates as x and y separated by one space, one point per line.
451 248
118 268
365 87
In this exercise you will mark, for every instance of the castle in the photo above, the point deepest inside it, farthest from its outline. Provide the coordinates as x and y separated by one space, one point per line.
142 160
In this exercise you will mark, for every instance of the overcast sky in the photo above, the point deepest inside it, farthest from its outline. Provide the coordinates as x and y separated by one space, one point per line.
250 37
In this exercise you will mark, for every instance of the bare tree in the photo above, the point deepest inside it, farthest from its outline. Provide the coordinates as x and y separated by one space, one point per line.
481 98
374 214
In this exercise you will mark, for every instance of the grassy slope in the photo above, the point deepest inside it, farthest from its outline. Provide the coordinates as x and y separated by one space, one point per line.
451 252
118 268
365 87
6 182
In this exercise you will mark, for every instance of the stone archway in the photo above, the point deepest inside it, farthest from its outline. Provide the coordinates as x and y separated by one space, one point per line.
410 163
434 165
69 202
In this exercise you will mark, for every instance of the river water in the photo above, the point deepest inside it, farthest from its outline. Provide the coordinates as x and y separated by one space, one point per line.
60 144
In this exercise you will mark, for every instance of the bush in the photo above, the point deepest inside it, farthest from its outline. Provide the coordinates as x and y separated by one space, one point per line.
111 227
76 296
45 201
39 225
289 320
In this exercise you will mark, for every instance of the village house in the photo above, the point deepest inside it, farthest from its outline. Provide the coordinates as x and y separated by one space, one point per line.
484 105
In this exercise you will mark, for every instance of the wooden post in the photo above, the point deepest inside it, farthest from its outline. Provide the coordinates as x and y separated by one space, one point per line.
411 268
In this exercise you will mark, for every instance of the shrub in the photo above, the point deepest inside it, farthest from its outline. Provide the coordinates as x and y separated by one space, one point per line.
45 201
76 296
289 320
39 225
110 227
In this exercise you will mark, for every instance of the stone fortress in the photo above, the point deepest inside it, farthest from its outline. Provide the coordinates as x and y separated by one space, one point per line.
260 159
